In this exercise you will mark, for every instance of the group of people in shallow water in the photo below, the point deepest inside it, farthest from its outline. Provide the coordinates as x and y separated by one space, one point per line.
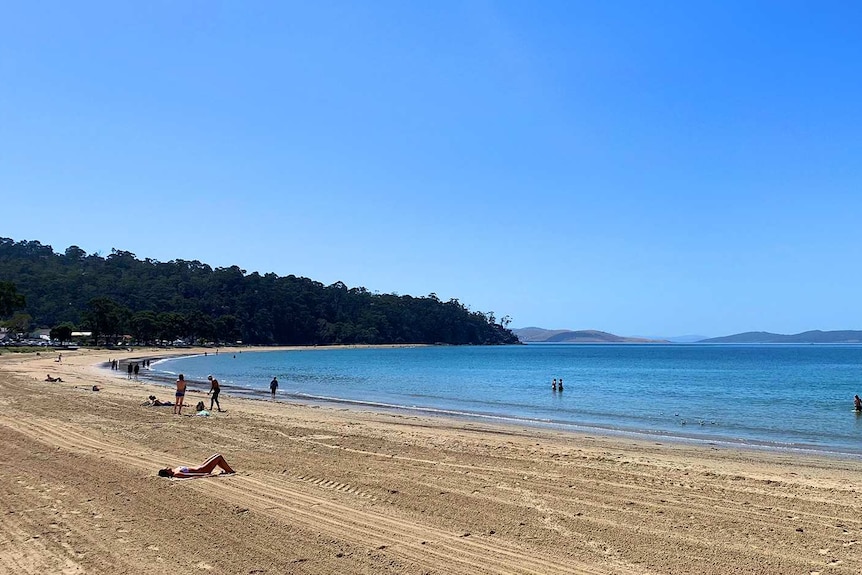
557 386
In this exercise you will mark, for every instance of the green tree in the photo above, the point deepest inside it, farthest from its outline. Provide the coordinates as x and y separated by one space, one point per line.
200 327
144 326
10 299
20 323
74 253
227 328
103 317
170 326
62 332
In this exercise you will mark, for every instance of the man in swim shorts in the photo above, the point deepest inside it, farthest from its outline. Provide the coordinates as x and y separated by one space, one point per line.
181 393
214 389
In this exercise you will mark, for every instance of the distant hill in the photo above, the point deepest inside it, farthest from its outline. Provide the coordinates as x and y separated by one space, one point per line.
533 334
815 336
539 335
674 338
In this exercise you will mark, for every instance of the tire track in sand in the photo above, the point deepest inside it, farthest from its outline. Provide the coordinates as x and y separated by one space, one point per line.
274 497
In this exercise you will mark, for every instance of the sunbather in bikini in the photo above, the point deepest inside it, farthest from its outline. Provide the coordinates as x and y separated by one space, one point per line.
207 468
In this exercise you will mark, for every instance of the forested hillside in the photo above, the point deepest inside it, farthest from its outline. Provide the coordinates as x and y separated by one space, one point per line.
150 300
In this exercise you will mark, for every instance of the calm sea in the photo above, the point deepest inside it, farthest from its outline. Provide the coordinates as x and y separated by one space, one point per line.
781 396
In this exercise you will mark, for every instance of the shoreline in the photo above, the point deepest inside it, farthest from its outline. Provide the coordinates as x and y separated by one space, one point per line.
703 440
335 490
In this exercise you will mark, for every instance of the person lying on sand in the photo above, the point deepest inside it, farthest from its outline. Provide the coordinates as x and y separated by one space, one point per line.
53 379
153 402
217 460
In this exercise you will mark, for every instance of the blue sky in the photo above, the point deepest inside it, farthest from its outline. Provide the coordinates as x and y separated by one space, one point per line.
657 168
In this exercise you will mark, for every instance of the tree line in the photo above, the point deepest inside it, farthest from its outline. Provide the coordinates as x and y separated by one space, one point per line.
120 295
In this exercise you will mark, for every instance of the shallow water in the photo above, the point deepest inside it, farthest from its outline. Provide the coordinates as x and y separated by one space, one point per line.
790 396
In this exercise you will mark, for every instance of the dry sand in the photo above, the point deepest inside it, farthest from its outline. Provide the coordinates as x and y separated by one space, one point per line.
328 490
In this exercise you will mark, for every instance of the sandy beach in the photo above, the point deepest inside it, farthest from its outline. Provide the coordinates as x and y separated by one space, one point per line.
330 490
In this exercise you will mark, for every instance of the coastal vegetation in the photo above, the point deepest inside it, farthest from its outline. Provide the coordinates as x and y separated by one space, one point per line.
120 296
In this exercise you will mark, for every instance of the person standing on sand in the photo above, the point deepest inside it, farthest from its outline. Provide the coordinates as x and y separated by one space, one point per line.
273 385
129 368
214 389
181 393
137 370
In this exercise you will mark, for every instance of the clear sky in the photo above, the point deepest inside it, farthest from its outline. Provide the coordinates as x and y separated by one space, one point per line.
644 168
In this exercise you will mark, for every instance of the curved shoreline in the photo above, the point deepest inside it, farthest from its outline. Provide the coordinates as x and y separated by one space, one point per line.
334 490
703 440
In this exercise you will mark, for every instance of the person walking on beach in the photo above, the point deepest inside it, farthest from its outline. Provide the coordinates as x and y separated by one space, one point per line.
129 369
137 369
857 403
273 385
214 389
181 393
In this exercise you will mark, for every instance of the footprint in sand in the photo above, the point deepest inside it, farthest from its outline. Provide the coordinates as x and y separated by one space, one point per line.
203 565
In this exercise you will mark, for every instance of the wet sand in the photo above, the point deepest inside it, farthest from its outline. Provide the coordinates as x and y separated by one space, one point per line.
331 490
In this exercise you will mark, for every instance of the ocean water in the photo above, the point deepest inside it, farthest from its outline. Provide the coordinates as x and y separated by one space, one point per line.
778 396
